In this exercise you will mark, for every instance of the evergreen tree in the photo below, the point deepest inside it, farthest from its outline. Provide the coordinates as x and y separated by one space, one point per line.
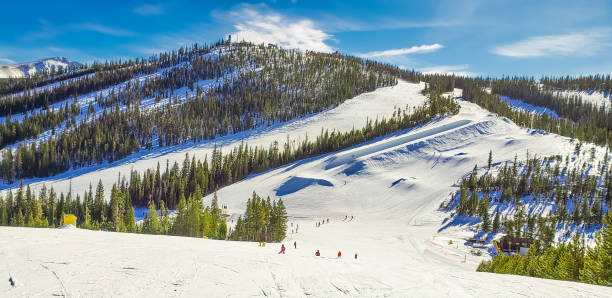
117 210
151 223
576 212
496 223
129 217
597 267
571 260
99 211
586 212
486 222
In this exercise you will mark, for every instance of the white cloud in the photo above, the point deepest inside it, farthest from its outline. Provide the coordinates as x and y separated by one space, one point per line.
576 44
6 61
149 9
459 70
426 48
259 25
103 29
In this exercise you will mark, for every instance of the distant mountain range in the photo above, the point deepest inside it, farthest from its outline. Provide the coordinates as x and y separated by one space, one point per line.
27 69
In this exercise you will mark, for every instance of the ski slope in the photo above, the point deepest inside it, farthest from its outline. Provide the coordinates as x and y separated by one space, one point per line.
391 187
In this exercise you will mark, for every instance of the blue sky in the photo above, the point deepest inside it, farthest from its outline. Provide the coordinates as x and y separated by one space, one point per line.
473 37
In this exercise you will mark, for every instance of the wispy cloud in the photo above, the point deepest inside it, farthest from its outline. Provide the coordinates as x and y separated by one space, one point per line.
426 48
258 24
103 29
48 30
575 44
6 61
149 9
459 70
339 25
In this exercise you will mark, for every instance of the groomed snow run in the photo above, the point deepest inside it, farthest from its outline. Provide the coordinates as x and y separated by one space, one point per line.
389 189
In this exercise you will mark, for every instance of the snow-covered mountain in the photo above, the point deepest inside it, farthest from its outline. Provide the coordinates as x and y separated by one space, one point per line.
26 69
381 201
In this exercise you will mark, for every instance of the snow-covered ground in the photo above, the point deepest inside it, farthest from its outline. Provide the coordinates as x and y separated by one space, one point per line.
390 187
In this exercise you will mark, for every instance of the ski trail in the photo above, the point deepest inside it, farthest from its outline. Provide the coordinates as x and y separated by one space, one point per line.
64 291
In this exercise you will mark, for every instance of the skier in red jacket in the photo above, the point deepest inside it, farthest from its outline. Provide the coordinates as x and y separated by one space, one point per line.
339 254
282 251
318 254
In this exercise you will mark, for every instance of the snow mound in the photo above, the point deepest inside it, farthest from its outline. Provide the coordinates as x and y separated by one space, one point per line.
295 184
67 227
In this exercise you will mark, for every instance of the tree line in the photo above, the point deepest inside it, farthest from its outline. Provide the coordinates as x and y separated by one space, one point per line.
598 82
191 218
570 107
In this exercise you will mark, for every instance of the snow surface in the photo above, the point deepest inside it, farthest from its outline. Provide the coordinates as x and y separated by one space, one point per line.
389 188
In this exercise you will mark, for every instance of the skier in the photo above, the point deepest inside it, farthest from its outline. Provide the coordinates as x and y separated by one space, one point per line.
355 256
12 282
295 244
339 254
282 251
318 254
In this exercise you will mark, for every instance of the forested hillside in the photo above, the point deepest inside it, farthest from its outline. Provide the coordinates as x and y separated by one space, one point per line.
250 86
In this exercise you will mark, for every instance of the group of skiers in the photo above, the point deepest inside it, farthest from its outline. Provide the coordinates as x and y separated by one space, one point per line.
324 221
318 224
317 253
